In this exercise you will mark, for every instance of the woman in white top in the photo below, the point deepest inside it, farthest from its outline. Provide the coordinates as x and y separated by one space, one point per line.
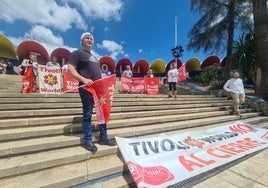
172 80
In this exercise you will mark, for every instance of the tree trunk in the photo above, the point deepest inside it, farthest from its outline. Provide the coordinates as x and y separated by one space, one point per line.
260 13
227 70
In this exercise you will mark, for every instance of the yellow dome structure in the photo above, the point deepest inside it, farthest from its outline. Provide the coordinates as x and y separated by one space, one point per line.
193 64
158 66
7 49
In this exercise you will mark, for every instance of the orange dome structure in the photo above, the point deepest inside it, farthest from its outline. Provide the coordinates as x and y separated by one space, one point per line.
29 46
107 64
122 64
7 49
211 60
141 66
61 54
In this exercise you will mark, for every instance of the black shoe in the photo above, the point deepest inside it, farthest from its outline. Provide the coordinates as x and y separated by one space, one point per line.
91 147
108 142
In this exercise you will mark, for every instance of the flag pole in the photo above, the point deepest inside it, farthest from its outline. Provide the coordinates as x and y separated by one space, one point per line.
175 37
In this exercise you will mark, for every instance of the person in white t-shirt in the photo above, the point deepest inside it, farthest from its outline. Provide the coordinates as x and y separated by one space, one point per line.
235 87
128 72
172 80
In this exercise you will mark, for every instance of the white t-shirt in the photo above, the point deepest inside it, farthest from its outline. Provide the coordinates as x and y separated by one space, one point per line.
235 85
173 75
128 73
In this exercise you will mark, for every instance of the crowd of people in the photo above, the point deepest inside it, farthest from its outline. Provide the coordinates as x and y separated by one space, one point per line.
6 67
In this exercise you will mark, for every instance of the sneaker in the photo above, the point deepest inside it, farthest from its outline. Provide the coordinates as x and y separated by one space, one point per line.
91 147
108 142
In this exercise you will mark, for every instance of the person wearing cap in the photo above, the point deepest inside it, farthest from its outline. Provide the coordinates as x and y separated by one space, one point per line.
85 67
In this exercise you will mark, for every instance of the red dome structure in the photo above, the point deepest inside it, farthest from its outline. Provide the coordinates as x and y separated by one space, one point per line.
107 63
61 54
29 46
122 64
179 64
141 66
211 60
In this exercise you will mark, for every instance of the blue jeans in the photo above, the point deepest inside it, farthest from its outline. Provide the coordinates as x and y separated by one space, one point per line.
87 103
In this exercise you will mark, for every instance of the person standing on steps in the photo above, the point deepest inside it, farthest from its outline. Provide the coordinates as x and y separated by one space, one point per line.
235 87
172 80
85 67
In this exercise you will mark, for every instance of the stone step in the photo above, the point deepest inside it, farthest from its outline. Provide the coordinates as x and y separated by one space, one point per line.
73 166
39 118
12 100
74 127
45 105
15 147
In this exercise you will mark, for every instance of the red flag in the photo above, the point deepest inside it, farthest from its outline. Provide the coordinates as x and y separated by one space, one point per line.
102 91
28 80
182 76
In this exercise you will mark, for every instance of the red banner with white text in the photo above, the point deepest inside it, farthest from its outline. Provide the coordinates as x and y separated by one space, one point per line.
134 85
69 83
172 160
102 91
151 85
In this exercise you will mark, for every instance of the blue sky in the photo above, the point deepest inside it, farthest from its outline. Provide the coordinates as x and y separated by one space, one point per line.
122 28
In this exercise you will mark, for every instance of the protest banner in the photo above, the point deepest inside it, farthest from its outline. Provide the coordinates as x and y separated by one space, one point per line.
69 83
151 85
49 79
135 85
170 160
102 91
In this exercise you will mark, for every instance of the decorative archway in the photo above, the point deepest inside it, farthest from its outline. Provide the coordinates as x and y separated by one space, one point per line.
61 54
29 46
107 64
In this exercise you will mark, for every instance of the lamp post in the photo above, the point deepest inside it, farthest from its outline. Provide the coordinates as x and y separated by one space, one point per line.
177 50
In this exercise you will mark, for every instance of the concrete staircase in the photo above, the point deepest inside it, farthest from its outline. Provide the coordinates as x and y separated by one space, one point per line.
40 135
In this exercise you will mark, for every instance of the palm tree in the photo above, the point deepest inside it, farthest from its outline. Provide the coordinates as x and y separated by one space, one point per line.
260 14
214 31
245 55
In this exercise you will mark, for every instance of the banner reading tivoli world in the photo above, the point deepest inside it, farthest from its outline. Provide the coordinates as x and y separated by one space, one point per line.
168 160
49 79
102 91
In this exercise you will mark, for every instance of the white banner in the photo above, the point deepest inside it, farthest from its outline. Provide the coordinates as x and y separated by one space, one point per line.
167 160
49 79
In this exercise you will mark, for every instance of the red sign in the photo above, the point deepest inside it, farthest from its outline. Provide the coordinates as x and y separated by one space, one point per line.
151 86
69 83
132 84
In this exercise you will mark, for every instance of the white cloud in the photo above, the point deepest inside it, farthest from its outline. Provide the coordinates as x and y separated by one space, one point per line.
47 13
140 50
100 9
112 47
44 36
